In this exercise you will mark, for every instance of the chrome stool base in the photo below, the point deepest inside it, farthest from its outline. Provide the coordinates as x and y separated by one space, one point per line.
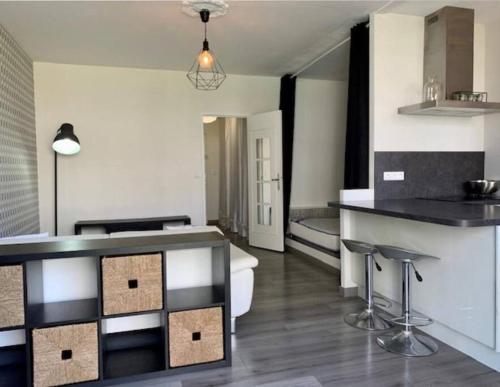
407 343
368 320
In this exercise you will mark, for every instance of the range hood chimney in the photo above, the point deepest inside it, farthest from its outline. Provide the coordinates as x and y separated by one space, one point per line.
449 57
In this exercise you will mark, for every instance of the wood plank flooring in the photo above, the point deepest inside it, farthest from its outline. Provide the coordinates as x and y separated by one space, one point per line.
295 329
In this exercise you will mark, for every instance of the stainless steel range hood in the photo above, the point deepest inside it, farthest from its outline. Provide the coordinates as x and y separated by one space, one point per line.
450 108
449 56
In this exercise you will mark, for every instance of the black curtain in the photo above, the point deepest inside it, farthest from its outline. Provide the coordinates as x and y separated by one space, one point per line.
287 107
357 134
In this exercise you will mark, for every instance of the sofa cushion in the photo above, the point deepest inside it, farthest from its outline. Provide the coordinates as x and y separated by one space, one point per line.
35 238
27 236
241 260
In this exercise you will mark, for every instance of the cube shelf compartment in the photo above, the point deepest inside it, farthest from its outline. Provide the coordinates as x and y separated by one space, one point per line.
116 357
41 314
133 353
194 298
57 313
11 297
132 284
13 365
65 354
195 336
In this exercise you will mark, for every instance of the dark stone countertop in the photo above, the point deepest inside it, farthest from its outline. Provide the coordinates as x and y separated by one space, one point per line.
468 214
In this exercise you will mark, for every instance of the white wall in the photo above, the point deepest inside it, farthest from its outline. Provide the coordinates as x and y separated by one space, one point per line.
492 122
141 135
212 133
319 142
397 80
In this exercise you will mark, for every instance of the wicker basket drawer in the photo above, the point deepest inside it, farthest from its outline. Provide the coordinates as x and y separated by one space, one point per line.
132 284
195 336
65 354
11 296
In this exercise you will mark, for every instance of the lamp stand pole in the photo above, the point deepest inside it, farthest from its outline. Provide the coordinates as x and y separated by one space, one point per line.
55 193
66 143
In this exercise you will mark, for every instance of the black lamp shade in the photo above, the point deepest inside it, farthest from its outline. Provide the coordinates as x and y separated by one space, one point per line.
65 142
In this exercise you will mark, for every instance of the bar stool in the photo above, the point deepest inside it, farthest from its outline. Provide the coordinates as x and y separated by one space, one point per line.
368 318
404 341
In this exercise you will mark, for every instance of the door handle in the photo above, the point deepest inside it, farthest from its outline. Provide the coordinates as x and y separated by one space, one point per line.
278 180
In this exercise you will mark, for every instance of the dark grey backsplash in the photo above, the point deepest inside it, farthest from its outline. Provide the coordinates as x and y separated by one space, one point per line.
427 174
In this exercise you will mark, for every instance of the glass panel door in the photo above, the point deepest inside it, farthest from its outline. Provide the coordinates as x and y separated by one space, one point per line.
265 204
263 164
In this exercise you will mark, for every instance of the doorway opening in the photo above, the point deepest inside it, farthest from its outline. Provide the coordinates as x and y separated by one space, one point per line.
226 173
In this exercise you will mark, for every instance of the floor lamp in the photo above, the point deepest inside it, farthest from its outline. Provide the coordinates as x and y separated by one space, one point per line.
65 143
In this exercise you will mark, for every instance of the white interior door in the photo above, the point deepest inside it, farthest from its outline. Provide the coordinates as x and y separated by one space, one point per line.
265 185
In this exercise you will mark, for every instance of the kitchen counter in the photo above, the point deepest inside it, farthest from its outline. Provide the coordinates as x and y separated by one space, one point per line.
460 290
469 214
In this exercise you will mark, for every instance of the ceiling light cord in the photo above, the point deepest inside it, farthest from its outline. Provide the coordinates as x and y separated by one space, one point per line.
205 17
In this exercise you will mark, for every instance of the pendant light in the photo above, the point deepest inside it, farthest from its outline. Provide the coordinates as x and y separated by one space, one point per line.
206 73
209 119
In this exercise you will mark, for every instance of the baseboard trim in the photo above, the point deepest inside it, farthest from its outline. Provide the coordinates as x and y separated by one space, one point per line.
313 260
348 292
314 246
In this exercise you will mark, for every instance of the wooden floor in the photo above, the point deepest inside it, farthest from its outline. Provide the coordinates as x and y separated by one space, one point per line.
295 329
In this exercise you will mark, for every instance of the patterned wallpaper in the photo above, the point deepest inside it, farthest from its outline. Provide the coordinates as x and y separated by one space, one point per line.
18 162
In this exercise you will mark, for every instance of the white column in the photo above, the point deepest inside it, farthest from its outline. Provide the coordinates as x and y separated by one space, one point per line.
346 225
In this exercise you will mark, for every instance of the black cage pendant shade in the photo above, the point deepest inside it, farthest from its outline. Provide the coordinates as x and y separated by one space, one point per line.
206 73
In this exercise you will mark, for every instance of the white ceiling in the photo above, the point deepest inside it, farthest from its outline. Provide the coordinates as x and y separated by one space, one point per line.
255 37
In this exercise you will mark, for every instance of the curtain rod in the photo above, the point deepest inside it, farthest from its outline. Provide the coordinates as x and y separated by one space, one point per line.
302 69
330 50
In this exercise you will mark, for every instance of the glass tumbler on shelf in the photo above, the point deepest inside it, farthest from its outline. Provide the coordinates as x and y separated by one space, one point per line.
432 90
